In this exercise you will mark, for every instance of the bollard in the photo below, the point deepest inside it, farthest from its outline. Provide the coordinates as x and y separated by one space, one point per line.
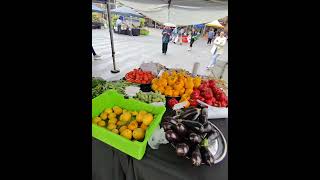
195 68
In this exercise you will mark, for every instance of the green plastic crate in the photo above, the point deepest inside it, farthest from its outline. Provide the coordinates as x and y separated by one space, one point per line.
111 98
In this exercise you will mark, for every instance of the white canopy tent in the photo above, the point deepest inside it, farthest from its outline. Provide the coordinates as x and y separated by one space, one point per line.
181 12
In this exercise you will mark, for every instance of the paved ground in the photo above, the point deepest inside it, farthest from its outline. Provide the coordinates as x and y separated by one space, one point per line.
131 51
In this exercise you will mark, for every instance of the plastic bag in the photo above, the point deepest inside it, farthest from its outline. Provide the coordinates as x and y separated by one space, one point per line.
158 137
215 112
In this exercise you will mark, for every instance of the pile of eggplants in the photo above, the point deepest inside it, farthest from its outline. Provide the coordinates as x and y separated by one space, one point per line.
188 130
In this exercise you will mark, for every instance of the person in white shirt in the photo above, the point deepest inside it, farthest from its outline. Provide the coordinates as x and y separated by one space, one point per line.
217 49
118 24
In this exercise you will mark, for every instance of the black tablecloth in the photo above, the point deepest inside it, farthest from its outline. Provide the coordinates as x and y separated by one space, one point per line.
160 164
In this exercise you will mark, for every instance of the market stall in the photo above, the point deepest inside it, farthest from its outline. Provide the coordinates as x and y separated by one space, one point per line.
129 17
159 123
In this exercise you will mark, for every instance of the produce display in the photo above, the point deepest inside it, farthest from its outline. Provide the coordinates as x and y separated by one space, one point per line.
188 131
176 84
150 97
209 93
99 86
129 124
139 76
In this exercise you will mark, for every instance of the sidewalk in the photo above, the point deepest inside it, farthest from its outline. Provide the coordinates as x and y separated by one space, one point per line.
131 51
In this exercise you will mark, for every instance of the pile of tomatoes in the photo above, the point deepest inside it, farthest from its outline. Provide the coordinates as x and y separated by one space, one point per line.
139 76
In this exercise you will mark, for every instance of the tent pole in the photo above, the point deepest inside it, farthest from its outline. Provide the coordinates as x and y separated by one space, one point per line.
111 39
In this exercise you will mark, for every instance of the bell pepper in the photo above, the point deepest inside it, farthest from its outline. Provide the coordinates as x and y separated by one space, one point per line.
172 102
193 102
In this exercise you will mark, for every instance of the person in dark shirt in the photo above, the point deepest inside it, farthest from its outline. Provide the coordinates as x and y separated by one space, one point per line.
166 33
193 37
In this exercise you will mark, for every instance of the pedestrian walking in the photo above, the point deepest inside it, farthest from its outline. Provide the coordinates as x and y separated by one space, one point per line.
96 57
193 36
217 49
166 33
210 36
174 35
181 33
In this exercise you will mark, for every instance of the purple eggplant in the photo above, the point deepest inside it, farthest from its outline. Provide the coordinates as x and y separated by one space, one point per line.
167 126
172 136
203 118
195 138
180 129
182 149
196 157
206 155
207 128
192 125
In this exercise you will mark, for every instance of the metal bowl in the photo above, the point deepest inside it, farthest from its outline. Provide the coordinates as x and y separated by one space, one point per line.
217 147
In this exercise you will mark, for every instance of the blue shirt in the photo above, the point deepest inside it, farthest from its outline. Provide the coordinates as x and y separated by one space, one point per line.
210 34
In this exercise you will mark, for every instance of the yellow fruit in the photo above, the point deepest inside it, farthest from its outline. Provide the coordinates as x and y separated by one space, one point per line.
168 92
154 87
126 116
163 82
165 74
168 88
127 133
133 125
189 84
143 126
104 116
101 123
117 110
185 96
113 121
122 128
139 117
96 120
147 119
120 123
138 134
188 91
161 89
143 112
181 92
112 115
111 126
176 93
115 131
108 110
154 81
134 113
